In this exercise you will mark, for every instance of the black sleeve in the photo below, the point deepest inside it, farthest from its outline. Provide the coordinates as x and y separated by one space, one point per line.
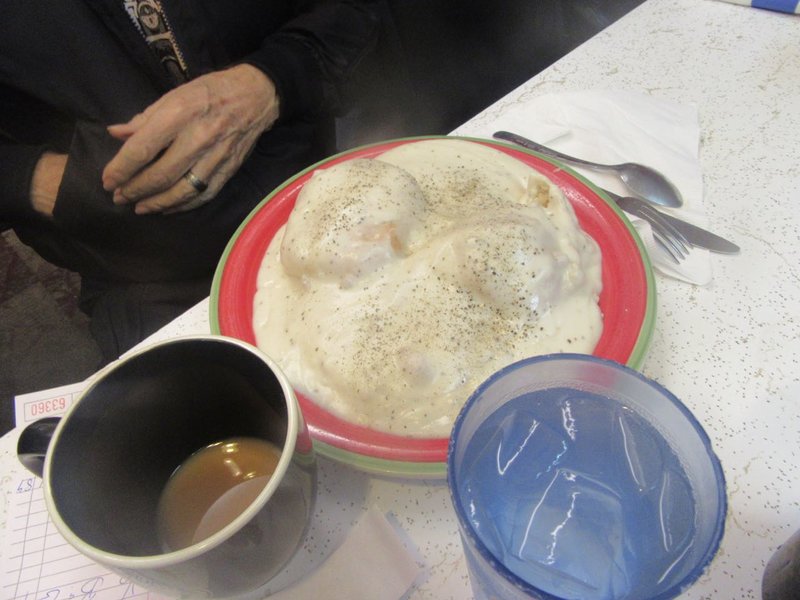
16 170
28 128
311 57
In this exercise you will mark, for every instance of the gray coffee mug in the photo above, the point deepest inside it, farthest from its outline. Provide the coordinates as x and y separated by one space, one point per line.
111 455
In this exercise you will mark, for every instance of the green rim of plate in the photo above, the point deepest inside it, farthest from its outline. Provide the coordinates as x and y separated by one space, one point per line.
382 466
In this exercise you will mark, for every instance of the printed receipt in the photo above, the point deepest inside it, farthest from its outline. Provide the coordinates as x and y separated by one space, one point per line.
48 403
38 564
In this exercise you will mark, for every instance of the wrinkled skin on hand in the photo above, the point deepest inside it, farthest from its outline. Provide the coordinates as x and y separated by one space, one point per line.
208 126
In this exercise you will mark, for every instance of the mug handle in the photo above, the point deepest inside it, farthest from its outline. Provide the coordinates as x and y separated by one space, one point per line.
33 442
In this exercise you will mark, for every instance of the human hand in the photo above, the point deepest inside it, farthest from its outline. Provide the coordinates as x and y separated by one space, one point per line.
46 179
205 127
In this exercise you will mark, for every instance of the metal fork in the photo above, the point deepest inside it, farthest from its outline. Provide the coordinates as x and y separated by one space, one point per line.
670 239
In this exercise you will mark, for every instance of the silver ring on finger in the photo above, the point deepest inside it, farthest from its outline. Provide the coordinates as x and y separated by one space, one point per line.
198 184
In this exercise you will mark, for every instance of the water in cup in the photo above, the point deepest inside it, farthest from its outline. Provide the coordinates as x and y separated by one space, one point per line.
578 495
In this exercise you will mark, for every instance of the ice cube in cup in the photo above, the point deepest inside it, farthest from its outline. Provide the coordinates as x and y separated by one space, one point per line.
574 529
507 462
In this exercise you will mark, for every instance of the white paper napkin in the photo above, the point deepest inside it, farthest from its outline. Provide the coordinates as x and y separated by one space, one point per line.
371 564
621 126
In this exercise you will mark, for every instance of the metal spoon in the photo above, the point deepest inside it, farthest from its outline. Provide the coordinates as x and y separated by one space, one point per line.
647 183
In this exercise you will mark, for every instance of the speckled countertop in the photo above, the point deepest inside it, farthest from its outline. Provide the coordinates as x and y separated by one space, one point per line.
728 350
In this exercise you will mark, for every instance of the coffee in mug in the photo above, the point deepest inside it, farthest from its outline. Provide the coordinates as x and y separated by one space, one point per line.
212 487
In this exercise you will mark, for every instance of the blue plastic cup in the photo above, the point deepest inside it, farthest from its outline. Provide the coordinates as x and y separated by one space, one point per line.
575 477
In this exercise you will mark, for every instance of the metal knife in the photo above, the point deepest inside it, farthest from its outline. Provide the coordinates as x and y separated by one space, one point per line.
696 236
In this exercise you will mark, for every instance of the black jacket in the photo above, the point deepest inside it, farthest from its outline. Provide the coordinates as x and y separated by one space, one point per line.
69 68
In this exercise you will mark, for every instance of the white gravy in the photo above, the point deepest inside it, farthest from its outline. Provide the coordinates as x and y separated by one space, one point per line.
400 283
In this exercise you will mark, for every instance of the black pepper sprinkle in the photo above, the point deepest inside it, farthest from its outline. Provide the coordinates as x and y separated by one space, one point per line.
429 323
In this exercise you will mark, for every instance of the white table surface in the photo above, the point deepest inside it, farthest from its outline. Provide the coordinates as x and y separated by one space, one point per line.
728 350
